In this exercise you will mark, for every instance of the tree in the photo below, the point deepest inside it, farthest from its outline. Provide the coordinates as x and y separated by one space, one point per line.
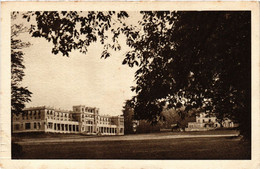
185 59
19 94
71 30
128 114
193 60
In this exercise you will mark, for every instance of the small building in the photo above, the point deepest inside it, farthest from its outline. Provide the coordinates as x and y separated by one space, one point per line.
227 123
205 122
81 119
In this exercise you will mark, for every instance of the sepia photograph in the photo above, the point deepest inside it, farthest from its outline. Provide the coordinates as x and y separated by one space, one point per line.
131 84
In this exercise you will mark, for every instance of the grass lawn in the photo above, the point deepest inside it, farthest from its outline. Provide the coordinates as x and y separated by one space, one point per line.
174 148
21 136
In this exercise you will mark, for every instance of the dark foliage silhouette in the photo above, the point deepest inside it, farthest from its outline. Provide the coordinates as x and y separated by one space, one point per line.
19 94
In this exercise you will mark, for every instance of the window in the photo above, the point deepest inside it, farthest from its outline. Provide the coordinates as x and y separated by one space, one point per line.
34 125
17 127
27 126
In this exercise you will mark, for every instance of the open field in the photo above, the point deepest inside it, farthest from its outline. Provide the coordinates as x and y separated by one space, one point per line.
198 145
56 137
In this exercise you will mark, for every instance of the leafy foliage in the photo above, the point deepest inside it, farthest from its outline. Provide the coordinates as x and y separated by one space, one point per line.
128 114
19 94
193 60
69 30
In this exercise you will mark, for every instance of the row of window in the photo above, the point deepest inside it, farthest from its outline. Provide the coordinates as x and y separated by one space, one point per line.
28 126
63 127
34 112
58 114
107 130
27 117
92 116
87 116
85 110
88 122
59 118
104 119
203 121
103 122
70 119
102 129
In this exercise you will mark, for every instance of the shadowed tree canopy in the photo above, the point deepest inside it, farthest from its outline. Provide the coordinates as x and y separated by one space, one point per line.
184 59
76 30
193 60
128 114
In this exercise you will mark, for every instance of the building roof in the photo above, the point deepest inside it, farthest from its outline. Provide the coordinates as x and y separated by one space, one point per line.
48 108
69 111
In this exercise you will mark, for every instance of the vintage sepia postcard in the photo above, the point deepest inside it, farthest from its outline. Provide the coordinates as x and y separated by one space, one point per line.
129 85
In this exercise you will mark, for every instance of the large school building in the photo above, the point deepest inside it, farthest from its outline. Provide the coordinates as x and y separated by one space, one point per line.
81 119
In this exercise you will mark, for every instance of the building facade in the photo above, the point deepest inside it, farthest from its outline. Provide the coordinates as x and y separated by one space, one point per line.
206 122
81 119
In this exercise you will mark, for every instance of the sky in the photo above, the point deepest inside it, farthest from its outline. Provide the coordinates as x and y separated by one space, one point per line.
81 79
